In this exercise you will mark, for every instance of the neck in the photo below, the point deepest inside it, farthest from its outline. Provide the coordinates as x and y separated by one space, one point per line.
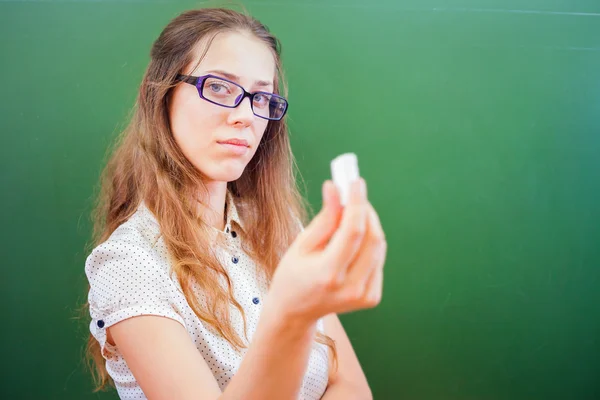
212 208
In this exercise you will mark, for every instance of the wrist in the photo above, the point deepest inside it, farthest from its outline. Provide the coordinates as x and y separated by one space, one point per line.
288 319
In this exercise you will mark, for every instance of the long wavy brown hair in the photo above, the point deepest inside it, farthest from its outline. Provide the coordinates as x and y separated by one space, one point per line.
146 165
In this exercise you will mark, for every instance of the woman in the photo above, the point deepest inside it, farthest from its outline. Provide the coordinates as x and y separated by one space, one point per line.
203 283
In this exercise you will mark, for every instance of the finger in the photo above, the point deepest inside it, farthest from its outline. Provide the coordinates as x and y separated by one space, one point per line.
370 255
325 223
347 240
374 287
377 228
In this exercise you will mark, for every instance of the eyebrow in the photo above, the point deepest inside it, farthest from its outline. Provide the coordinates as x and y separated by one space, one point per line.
234 77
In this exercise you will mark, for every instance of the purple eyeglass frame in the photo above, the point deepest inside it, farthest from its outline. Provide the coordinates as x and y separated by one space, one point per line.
198 82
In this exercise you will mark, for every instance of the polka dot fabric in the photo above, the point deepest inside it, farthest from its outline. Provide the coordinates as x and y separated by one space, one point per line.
130 275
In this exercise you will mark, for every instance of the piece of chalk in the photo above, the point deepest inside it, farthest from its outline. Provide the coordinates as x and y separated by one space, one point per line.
344 171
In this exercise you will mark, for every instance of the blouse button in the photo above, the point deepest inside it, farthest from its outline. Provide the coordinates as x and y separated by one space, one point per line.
233 234
235 260
100 323
255 300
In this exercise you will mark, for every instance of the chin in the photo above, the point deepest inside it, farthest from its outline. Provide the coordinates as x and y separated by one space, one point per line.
226 174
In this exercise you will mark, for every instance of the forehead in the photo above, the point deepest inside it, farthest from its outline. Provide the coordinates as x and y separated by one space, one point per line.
239 54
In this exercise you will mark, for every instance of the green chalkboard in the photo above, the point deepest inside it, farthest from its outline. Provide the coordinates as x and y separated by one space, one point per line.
476 124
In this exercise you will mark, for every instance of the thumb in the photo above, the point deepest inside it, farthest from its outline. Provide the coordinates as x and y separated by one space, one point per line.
325 223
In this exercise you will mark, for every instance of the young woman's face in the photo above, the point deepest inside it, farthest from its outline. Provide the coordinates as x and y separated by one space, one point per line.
200 127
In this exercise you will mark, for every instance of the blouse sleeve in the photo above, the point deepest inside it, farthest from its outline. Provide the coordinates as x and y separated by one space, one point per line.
127 279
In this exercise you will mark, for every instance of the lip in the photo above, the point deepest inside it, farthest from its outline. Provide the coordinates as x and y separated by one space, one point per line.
235 141
236 146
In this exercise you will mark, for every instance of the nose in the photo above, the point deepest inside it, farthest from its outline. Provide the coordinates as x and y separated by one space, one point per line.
242 114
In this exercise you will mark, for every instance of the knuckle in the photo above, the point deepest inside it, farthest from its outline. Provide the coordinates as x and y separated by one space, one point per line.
383 246
378 249
358 213
328 280
376 221
358 227
373 299
356 233
355 294
379 236
379 242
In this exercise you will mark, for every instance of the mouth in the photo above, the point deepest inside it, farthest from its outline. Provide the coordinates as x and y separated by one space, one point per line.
235 142
238 147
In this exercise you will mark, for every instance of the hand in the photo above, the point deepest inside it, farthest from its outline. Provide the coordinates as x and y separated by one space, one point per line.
336 264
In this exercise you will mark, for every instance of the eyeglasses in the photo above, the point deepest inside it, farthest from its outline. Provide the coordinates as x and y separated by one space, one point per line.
222 92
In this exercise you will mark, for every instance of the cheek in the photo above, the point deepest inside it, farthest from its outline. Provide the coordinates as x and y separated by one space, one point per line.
261 128
192 125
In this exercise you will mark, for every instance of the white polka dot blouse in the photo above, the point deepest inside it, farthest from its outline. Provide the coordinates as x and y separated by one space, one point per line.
130 275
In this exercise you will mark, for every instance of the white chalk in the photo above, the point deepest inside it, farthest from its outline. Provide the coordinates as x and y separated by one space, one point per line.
344 171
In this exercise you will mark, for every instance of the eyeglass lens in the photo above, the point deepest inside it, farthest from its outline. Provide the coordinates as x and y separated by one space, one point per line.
266 105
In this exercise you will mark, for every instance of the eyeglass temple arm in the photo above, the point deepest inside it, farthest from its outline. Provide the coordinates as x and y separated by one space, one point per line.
187 78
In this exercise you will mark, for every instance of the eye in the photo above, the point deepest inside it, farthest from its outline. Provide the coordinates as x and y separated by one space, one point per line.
218 88
261 100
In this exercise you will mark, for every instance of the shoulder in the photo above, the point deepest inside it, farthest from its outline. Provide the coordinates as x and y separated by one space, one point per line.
141 230
130 275
131 258
140 233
